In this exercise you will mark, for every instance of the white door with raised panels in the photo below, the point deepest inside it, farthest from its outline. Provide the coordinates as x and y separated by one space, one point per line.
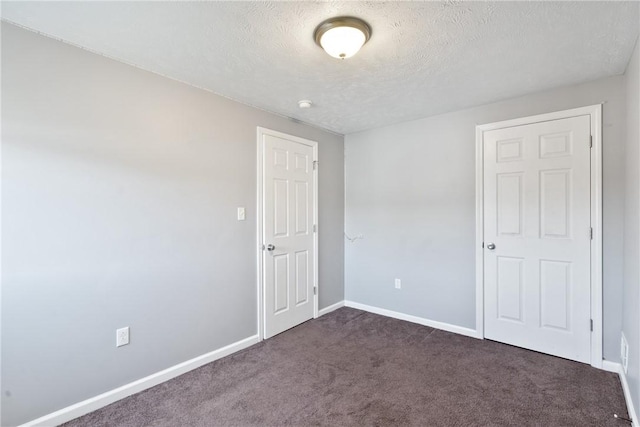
537 237
289 245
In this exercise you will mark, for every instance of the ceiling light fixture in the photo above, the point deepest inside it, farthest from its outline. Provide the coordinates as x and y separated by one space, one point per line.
343 36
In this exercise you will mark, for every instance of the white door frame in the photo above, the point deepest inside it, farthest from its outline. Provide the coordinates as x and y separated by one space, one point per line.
595 111
261 132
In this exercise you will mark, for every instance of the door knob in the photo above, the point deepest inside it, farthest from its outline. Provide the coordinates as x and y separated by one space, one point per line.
270 247
491 246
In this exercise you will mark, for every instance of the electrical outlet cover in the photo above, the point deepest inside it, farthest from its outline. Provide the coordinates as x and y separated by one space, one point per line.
122 336
624 352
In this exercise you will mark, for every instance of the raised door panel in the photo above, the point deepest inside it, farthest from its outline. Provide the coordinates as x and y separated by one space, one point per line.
301 208
301 163
510 287
509 150
555 295
280 208
555 145
281 283
280 159
509 200
555 203
302 277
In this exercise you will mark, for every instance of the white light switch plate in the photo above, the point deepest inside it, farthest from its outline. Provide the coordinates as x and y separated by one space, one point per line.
241 214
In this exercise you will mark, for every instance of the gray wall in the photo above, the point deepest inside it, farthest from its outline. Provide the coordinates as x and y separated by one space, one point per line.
120 190
410 191
631 299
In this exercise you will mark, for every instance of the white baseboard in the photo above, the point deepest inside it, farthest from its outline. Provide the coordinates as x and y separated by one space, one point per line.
331 308
617 368
74 411
414 319
610 366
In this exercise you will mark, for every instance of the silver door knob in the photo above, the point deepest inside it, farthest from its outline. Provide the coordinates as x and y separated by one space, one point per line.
270 247
491 246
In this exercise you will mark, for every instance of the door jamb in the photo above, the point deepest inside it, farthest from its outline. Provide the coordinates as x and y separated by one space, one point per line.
595 113
261 132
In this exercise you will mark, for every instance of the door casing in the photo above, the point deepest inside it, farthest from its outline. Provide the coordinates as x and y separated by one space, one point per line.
261 132
595 113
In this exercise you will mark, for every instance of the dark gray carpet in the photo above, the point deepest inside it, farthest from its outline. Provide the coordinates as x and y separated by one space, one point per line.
355 368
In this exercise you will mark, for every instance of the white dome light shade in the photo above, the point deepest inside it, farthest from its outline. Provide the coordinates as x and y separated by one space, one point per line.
342 42
342 37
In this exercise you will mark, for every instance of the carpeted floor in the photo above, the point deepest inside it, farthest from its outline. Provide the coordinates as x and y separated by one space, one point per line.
355 368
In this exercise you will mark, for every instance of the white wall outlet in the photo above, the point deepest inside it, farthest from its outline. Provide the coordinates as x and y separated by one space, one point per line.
242 214
624 352
398 284
122 336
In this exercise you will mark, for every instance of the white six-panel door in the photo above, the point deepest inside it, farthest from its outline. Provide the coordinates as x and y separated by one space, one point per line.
537 225
288 231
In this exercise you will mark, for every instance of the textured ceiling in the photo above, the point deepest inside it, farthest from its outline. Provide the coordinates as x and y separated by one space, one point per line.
424 58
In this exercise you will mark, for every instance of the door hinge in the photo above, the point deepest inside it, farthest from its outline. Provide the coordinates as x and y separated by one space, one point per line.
591 233
591 322
482 245
315 228
315 164
315 290
591 141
